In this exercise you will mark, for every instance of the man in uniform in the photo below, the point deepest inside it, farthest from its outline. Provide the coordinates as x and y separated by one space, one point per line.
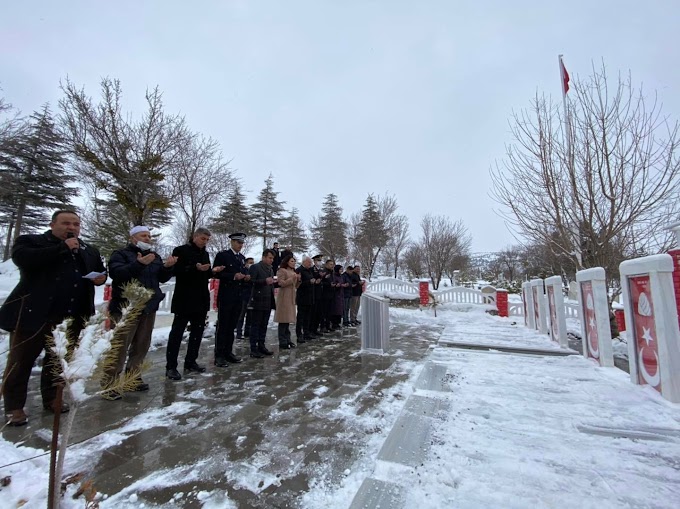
53 286
229 268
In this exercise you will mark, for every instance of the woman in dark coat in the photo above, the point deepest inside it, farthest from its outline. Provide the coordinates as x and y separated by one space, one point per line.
337 306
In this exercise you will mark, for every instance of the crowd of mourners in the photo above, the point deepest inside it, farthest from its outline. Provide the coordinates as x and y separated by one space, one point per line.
58 273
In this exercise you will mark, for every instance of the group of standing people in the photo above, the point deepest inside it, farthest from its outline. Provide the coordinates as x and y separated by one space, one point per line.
58 273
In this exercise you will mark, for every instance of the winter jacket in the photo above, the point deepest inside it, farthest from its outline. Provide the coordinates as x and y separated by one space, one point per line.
305 291
357 288
347 279
124 268
285 300
192 295
262 296
51 282
338 300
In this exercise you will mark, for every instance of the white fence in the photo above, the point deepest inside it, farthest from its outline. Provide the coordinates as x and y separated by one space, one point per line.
457 294
388 285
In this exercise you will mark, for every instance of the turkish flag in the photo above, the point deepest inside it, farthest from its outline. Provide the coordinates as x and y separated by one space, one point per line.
565 78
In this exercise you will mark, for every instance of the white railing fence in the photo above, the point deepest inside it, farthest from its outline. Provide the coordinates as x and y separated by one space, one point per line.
392 285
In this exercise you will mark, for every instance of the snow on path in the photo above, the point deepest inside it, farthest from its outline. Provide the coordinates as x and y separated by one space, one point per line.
530 431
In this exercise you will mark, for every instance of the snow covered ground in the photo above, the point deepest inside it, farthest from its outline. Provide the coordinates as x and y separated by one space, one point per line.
505 430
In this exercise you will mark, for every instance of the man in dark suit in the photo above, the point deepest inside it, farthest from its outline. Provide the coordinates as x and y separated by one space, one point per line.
53 286
190 302
261 303
229 268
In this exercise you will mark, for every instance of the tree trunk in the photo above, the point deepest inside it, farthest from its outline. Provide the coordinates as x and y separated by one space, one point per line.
8 241
18 222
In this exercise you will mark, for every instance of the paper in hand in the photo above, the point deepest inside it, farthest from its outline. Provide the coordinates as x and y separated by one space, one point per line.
94 275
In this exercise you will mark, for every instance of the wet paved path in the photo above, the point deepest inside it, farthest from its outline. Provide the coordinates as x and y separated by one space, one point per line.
258 430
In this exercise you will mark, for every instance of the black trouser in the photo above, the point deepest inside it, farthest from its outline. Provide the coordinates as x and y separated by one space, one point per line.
326 314
284 334
25 347
228 311
304 319
243 317
179 325
315 319
258 330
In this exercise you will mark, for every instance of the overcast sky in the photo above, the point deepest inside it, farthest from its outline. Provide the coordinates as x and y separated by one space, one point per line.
410 98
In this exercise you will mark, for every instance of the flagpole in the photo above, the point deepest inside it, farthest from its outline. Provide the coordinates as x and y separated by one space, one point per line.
564 82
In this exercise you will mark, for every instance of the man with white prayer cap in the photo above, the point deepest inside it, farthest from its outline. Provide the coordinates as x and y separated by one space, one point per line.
136 262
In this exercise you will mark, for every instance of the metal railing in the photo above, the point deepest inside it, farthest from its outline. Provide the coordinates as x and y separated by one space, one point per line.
375 323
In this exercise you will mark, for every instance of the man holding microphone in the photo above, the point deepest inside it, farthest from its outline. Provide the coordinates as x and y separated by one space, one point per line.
58 276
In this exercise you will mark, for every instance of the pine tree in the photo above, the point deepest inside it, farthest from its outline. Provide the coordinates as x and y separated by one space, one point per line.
235 215
267 213
372 234
33 176
329 229
293 235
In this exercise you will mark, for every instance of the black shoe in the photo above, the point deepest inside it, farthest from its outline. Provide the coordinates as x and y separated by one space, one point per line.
358 322
256 354
263 350
193 368
301 341
233 359
173 374
292 345
284 346
221 362
239 335
141 386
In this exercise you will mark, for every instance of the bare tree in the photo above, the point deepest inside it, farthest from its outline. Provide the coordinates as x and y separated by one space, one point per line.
414 261
442 241
597 186
397 242
128 160
199 180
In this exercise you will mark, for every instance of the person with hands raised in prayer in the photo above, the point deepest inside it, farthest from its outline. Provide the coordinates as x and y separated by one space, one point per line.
136 262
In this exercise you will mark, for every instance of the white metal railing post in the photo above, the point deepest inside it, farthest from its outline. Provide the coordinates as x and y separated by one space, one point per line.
539 308
596 332
375 323
652 324
556 311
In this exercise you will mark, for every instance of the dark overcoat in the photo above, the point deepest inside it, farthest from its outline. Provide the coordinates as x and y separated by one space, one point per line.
49 271
305 292
192 295
124 268
262 297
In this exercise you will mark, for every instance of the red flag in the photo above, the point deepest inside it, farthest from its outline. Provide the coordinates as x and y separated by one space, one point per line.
565 78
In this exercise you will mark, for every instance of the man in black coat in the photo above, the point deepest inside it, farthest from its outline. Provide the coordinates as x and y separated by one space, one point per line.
315 321
136 262
229 268
357 290
261 303
304 298
190 302
277 257
54 285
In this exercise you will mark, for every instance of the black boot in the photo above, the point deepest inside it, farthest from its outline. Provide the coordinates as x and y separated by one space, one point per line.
263 350
192 367
173 374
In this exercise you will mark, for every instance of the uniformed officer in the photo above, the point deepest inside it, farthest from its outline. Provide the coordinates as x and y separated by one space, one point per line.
231 277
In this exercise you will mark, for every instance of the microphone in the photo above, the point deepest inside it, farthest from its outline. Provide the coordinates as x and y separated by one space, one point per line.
70 235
